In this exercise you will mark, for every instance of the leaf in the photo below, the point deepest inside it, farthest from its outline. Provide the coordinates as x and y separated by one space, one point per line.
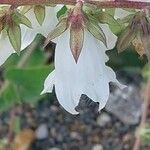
62 11
39 13
125 40
23 85
110 11
104 17
9 94
29 81
96 31
59 29
22 19
146 71
14 34
76 42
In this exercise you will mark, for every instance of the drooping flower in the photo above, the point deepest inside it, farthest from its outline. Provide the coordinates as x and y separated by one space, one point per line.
81 72
25 34
137 33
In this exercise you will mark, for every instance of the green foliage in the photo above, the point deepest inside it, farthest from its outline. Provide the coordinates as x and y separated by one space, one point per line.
145 136
146 71
62 11
24 84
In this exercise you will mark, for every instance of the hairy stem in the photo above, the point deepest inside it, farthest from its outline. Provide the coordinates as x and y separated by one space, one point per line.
101 3
144 115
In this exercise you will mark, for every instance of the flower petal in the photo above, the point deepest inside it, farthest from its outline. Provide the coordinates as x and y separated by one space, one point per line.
92 79
6 48
65 67
49 83
110 37
89 76
120 13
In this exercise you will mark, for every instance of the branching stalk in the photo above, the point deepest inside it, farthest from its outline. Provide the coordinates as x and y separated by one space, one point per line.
144 115
101 3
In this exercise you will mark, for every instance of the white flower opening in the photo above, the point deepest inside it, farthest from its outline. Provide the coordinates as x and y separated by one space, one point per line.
89 76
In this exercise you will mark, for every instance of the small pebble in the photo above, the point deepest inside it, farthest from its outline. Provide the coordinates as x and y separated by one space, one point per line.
54 148
97 147
103 119
41 132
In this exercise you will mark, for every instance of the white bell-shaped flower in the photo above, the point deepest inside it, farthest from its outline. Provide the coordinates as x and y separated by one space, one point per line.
88 76
28 34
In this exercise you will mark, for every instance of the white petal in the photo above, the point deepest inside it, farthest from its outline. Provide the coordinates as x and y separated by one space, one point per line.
6 48
49 83
120 13
89 76
65 67
110 37
92 78
28 35
93 75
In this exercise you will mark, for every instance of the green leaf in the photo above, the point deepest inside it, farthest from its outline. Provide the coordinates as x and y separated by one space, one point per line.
96 31
29 81
62 11
39 11
114 25
23 85
146 71
14 34
22 19
110 11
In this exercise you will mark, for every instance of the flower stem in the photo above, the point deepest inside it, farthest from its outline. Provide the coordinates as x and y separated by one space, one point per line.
144 115
101 3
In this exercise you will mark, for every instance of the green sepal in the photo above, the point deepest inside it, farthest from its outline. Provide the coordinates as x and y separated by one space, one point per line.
25 9
39 12
14 34
59 29
104 17
19 18
96 31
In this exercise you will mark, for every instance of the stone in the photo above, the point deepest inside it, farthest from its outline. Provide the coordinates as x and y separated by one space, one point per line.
41 132
125 104
97 147
103 119
54 148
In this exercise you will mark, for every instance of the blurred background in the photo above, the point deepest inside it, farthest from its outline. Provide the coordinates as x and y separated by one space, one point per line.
29 121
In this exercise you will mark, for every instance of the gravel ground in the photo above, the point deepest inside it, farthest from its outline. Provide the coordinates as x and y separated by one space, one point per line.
58 130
